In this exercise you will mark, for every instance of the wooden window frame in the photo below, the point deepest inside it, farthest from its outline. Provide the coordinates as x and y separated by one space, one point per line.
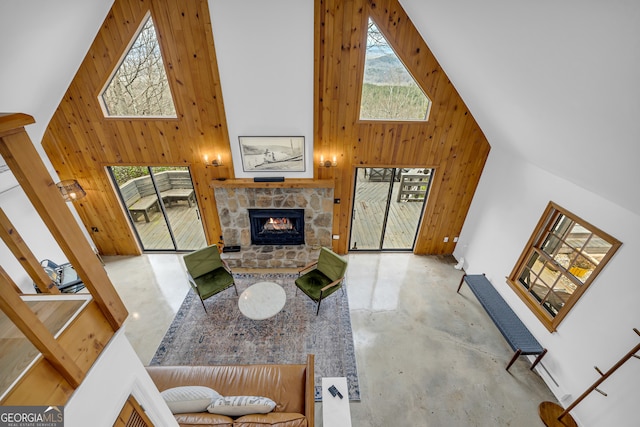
362 83
538 237
100 95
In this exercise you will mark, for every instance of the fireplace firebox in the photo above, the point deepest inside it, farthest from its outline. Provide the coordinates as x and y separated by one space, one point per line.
277 226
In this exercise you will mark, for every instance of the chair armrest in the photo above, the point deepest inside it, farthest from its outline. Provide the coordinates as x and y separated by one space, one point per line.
192 282
225 265
307 267
332 284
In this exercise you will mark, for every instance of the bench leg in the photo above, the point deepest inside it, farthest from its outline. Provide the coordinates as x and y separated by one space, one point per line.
136 215
535 362
461 282
514 358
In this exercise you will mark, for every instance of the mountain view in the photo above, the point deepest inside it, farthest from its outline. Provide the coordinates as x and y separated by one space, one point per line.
389 92
386 69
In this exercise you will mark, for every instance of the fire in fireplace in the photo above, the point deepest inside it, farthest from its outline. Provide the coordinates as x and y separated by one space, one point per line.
277 226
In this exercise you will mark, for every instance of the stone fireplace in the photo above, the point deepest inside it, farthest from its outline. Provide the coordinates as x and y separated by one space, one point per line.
312 209
277 226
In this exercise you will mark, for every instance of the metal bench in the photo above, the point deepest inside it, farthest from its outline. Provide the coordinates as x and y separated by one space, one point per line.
508 323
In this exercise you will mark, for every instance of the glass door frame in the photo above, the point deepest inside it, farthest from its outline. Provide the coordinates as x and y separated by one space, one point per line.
385 219
396 172
161 206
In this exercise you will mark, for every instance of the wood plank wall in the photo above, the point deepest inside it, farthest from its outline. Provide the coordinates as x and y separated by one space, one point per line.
80 141
450 141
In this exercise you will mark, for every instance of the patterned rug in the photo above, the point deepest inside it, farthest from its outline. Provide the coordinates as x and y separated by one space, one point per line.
225 337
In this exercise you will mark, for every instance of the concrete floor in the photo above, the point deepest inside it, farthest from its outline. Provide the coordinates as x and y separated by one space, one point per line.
426 355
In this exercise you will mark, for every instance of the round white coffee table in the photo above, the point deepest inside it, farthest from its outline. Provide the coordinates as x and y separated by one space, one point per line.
262 300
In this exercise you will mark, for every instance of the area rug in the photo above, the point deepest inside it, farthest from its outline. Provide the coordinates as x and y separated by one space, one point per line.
225 337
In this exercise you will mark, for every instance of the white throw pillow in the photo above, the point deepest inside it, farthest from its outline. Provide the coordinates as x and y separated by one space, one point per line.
189 398
241 405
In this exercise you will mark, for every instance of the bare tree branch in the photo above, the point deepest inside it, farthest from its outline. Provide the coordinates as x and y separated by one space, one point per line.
140 87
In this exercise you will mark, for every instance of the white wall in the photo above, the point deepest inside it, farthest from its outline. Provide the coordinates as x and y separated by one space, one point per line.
36 235
265 59
43 45
116 374
510 200
547 76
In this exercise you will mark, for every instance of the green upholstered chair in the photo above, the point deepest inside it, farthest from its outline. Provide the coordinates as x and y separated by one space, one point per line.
323 277
208 273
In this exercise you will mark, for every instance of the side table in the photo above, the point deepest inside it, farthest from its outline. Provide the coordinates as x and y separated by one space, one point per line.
335 411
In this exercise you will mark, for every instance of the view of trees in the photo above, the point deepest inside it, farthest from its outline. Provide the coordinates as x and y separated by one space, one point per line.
393 102
389 92
123 174
140 87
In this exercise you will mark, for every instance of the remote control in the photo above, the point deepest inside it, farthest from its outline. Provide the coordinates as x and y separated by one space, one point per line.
334 392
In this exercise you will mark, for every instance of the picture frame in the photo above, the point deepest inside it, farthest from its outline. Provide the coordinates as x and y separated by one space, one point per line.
272 153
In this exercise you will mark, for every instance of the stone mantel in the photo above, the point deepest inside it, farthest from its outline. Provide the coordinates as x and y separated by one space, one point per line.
287 183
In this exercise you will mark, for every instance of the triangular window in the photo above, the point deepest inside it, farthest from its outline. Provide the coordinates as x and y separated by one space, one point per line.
139 85
389 92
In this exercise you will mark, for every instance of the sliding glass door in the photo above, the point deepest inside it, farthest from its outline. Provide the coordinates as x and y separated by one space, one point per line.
387 208
162 206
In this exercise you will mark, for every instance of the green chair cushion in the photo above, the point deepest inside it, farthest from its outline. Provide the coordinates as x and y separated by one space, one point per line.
203 261
213 282
312 282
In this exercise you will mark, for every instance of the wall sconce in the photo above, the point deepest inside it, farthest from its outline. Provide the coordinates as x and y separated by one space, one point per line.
71 190
215 162
328 163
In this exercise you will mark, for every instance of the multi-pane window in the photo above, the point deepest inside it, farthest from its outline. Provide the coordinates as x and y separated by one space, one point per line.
139 85
561 260
389 92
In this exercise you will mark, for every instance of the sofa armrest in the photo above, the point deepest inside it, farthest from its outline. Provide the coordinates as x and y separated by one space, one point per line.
309 398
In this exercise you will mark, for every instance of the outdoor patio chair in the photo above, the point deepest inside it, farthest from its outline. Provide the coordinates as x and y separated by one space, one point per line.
322 278
208 274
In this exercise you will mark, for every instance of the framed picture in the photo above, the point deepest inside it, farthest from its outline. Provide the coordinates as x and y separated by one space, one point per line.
272 153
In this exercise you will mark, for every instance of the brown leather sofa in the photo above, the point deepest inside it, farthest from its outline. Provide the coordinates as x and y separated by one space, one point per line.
290 386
